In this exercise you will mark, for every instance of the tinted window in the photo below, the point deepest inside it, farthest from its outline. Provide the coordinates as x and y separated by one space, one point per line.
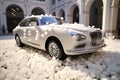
25 23
34 20
47 20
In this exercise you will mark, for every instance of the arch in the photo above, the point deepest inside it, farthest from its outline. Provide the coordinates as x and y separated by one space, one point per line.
37 11
88 5
118 20
74 12
62 13
14 14
96 14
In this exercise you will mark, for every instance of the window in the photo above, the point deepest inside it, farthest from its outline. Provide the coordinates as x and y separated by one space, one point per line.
25 23
47 20
53 1
34 20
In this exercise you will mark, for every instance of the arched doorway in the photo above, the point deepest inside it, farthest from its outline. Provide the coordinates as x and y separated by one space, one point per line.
73 14
14 15
96 13
37 11
76 14
62 14
118 20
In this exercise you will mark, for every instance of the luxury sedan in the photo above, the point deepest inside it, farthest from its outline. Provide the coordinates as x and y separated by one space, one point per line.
57 37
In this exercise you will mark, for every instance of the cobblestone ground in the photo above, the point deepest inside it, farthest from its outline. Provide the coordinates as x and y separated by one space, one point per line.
28 63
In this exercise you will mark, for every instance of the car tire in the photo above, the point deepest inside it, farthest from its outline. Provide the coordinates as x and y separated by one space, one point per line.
55 49
18 41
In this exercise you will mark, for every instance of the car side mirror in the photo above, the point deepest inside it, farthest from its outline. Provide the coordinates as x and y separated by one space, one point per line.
33 24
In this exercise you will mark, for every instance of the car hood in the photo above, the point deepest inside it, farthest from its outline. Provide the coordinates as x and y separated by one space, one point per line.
77 27
69 27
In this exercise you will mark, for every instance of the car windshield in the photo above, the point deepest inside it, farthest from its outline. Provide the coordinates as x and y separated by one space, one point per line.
48 20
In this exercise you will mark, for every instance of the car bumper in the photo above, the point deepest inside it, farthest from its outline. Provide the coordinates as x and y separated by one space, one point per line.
84 50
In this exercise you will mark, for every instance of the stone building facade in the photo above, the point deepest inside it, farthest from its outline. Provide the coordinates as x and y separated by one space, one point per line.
13 11
103 14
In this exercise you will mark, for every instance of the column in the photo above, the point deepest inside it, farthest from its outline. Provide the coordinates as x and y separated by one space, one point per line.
81 14
69 16
86 18
106 16
65 11
27 5
5 21
3 17
113 19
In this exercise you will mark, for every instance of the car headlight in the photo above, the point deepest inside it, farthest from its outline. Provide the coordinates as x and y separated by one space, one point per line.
78 36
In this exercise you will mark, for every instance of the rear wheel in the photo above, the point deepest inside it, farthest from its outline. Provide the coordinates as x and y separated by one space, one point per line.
55 50
18 41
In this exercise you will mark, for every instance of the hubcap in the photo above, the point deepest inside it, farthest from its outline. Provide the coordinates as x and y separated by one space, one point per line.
54 49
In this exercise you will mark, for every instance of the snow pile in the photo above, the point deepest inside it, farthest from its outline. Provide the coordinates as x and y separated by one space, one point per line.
28 63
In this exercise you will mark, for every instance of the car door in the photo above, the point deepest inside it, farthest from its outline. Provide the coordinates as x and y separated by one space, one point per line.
23 33
33 32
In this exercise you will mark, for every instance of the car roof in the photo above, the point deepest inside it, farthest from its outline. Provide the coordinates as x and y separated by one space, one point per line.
39 16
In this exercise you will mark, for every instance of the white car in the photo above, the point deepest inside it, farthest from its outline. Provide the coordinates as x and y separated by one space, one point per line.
58 40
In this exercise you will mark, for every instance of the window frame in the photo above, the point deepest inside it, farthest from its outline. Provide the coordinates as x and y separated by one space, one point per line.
26 22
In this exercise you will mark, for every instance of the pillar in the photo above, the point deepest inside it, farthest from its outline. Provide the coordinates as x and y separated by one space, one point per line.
81 15
86 18
68 14
65 11
3 17
114 14
86 11
106 16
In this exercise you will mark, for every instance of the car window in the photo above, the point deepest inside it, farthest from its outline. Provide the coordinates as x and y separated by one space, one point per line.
47 20
60 21
25 23
34 20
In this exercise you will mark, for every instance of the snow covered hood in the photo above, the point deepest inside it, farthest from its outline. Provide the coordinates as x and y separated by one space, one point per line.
76 27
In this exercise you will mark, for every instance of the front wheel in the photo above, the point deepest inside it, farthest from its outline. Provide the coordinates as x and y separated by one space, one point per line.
55 50
18 41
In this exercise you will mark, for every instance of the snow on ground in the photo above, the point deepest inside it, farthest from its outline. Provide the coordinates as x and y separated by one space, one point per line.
28 63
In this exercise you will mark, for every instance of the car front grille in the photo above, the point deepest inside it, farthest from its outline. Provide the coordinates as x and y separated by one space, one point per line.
96 38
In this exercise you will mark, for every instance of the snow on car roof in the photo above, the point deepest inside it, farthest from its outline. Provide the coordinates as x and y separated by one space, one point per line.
39 16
